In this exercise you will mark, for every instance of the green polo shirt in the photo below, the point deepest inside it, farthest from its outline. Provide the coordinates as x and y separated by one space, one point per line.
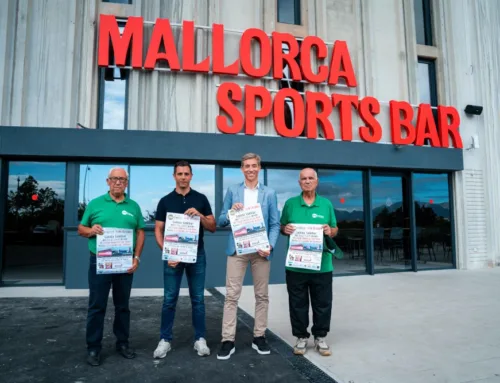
107 212
319 212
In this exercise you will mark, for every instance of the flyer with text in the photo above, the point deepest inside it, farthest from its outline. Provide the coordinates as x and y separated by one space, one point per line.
180 240
306 247
249 230
114 251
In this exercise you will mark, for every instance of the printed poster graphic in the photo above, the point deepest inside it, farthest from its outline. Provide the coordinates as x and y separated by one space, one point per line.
306 247
114 251
180 240
249 230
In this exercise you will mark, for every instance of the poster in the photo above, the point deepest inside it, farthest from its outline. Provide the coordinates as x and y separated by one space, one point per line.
114 251
180 240
249 230
306 247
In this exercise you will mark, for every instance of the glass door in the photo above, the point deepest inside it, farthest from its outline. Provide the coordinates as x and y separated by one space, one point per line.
33 231
391 223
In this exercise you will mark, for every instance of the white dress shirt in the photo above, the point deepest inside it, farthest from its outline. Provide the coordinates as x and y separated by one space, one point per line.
251 195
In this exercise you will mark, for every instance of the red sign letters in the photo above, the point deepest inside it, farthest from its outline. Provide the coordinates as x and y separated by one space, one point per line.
311 110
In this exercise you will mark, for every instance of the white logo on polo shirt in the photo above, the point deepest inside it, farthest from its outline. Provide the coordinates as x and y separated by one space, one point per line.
314 215
124 212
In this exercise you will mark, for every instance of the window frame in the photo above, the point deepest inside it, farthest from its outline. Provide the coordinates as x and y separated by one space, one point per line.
101 91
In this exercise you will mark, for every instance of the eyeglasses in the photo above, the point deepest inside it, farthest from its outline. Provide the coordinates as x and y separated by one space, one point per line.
116 179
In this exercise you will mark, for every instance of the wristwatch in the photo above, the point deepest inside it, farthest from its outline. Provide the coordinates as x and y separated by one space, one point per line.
138 258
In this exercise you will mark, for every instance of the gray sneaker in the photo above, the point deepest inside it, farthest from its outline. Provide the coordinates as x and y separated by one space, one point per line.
322 347
300 347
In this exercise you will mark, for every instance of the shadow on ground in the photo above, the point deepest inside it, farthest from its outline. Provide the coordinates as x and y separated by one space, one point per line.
43 340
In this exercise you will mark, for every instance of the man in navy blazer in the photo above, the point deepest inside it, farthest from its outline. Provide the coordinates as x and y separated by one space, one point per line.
248 193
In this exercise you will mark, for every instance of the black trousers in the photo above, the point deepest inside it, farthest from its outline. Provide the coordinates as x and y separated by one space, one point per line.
317 286
99 286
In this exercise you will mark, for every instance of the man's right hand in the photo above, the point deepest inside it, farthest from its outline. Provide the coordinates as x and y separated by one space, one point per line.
237 206
97 230
289 229
173 264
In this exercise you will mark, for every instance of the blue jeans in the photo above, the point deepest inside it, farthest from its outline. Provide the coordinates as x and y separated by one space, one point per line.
172 277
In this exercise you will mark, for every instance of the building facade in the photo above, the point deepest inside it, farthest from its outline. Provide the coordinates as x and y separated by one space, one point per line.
403 204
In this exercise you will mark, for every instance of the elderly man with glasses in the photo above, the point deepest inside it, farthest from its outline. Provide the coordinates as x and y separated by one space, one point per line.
114 209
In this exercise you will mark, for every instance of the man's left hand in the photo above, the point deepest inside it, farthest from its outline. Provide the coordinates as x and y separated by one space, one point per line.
192 212
264 253
134 267
327 230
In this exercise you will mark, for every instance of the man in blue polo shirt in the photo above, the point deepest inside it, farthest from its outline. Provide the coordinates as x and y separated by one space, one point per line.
183 200
111 210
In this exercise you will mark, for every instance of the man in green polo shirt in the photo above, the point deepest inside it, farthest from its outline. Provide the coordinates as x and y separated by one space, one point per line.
310 208
111 210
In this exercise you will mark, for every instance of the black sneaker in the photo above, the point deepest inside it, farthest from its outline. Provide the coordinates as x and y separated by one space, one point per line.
260 345
226 350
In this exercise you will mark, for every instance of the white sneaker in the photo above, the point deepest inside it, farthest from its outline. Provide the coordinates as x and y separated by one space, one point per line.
300 346
201 346
162 349
322 347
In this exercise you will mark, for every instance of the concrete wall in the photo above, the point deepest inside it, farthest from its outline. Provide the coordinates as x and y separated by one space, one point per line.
49 77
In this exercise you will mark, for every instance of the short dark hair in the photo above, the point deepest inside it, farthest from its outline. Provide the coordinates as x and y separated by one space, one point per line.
182 163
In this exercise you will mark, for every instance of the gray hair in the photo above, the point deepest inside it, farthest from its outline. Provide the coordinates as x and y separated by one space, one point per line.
250 156
117 168
315 173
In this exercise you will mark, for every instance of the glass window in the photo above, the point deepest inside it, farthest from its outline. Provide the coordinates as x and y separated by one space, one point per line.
148 184
232 176
285 182
118 1
391 223
427 82
423 21
289 12
33 232
113 97
344 188
432 214
93 183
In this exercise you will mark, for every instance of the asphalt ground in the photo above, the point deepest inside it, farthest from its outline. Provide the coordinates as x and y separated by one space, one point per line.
43 340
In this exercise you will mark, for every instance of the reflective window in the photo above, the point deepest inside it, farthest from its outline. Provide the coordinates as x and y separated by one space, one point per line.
289 11
33 233
113 97
93 183
432 214
344 188
286 184
118 1
148 184
391 223
234 176
423 21
427 82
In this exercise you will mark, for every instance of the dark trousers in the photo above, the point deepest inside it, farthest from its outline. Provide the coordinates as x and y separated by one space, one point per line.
172 278
317 286
99 286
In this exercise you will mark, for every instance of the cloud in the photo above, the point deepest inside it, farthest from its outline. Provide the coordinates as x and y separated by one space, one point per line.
57 186
114 105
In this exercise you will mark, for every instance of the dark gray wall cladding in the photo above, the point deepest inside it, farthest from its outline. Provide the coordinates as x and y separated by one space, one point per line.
150 272
134 145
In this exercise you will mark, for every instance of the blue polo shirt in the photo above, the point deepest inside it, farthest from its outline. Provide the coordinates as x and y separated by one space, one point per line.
178 203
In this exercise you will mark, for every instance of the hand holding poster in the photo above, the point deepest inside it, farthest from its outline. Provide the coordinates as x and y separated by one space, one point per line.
114 251
249 230
306 247
180 240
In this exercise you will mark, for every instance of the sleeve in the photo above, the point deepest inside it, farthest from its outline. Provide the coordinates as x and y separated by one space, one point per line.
207 209
274 220
228 202
161 211
140 217
87 215
333 219
284 215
